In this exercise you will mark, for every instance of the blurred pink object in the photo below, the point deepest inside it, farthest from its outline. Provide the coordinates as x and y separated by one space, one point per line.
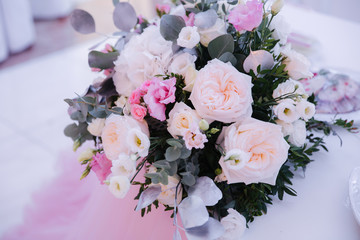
163 8
101 166
248 16
70 209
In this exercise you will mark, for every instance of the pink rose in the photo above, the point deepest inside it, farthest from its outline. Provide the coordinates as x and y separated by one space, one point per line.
222 93
138 112
255 150
246 17
101 165
160 93
189 20
194 138
135 97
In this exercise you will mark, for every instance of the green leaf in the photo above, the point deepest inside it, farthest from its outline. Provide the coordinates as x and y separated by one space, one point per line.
172 153
71 130
82 21
188 179
170 26
124 16
174 142
221 45
102 60
228 57
185 153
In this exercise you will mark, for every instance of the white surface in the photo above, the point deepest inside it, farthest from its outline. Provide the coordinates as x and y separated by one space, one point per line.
51 9
354 192
33 117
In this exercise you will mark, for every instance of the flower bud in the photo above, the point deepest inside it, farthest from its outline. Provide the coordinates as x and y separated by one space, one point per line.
133 157
86 155
277 6
203 125
76 144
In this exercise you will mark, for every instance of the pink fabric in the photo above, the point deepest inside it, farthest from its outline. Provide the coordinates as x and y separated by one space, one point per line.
71 209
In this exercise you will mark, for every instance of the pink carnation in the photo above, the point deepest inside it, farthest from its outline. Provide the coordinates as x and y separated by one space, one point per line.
138 112
189 20
160 93
145 86
135 97
101 166
194 138
164 8
247 17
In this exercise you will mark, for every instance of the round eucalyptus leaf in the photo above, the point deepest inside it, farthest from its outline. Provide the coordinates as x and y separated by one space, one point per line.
82 21
172 153
124 16
221 45
228 57
170 26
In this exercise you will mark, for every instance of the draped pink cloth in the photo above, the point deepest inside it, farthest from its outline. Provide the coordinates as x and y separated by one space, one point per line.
70 209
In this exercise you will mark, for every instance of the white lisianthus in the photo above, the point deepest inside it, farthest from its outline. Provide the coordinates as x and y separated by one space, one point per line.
286 111
256 58
188 37
289 87
119 186
281 29
123 166
138 142
168 192
305 109
277 6
86 155
181 117
234 224
297 65
182 62
286 128
236 159
209 34
190 77
298 136
96 126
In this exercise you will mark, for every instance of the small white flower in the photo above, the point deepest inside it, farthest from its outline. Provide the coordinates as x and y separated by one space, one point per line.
124 166
305 109
87 154
234 224
289 87
190 77
188 37
236 159
277 6
121 102
286 111
203 125
286 128
138 142
182 62
96 126
297 65
256 58
119 186
298 136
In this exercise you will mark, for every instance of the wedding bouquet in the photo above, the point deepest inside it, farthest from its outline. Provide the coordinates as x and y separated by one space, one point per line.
202 108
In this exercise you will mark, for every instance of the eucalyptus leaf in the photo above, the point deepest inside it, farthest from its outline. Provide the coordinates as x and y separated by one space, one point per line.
173 168
185 153
98 113
170 26
172 153
124 16
117 110
102 60
155 177
69 101
221 45
174 142
82 21
188 179
164 179
162 164
148 196
71 130
228 57
115 2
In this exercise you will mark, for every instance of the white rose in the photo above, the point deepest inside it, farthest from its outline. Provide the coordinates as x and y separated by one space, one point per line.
277 6
190 76
297 65
286 111
288 87
181 62
138 142
168 192
143 57
298 136
119 186
188 37
96 126
86 155
181 117
305 109
234 224
123 166
281 29
209 34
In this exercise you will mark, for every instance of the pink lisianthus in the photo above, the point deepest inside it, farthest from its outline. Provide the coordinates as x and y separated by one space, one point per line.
194 138
159 94
189 20
101 165
138 112
140 19
145 86
135 97
247 17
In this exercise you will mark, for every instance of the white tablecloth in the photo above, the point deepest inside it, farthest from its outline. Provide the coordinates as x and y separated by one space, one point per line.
34 115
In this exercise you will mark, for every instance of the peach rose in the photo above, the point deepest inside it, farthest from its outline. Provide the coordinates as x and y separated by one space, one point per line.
116 132
181 117
259 150
222 93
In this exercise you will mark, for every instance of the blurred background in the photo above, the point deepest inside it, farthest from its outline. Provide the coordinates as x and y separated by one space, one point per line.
42 61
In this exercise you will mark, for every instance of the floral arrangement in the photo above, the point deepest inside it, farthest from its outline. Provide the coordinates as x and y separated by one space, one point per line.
202 108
